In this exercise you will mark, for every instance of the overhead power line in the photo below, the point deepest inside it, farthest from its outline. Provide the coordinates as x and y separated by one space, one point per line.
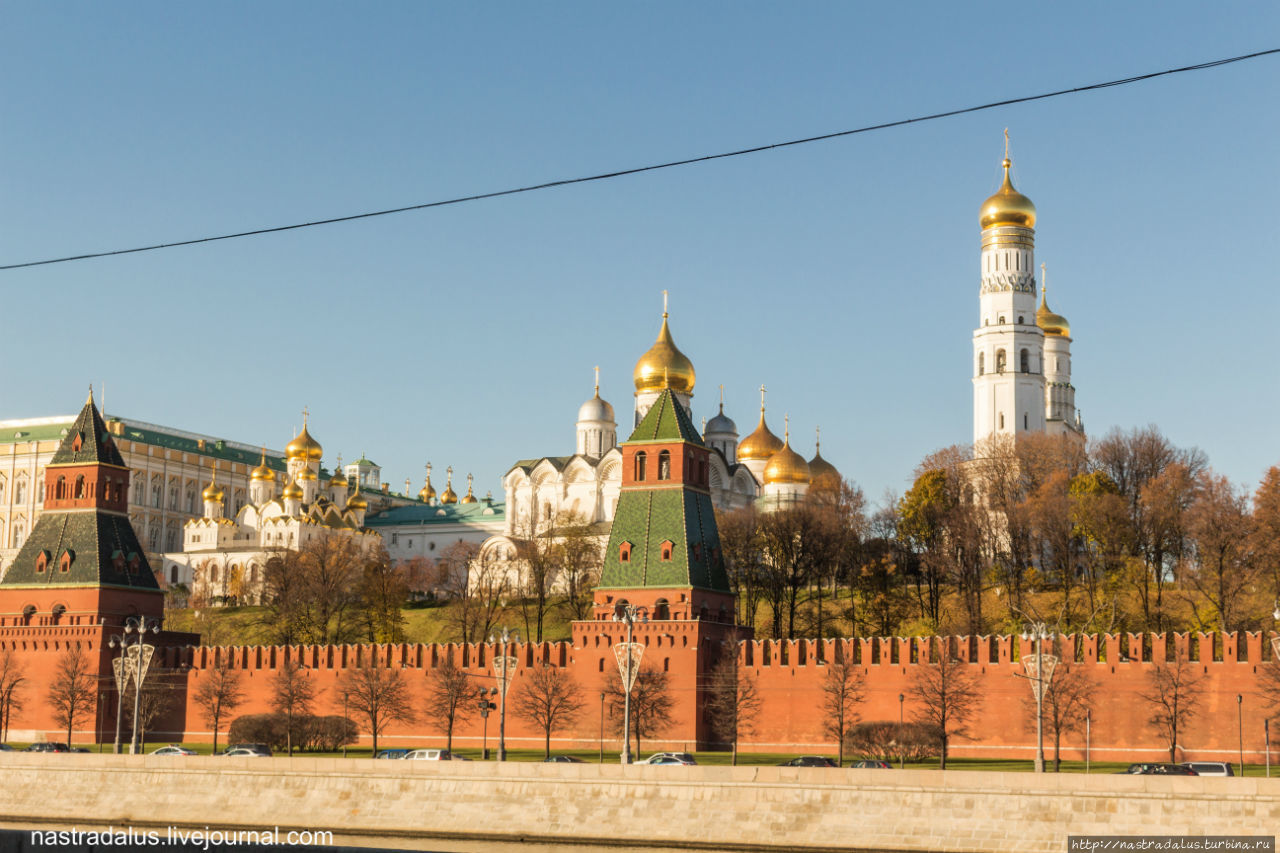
654 167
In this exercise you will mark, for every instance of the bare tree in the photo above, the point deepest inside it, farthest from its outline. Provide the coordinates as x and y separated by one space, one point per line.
292 695
381 591
1173 694
479 585
448 692
651 704
220 692
795 542
949 698
11 687
842 692
579 552
1224 567
159 696
733 700
73 692
550 700
312 595
379 694
743 560
1068 699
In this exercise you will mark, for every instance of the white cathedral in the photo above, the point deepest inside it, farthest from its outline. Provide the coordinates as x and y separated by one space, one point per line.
1021 352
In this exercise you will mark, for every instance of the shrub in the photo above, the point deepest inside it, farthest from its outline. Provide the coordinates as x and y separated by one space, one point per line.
310 733
887 740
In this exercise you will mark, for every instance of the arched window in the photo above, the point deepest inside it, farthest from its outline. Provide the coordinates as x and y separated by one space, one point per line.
1001 319
191 500
42 561
20 492
664 465
213 573
58 611
667 547
982 363
1002 420
1024 361
1020 320
661 609
624 552
68 557
641 459
80 487
60 490
173 574
27 613
999 361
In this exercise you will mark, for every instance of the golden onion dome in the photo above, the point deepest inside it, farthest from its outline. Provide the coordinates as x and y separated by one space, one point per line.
820 470
427 493
1007 206
338 480
664 366
304 446
293 490
357 502
469 497
213 492
263 471
1049 322
306 474
449 496
761 444
786 466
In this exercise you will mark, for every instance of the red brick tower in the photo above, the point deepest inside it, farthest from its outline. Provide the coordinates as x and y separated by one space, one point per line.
664 559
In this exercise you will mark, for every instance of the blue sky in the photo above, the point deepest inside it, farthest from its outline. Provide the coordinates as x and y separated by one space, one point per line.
841 274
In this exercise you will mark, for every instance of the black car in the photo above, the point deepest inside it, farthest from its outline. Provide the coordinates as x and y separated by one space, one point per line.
1159 770
810 761
872 764
47 747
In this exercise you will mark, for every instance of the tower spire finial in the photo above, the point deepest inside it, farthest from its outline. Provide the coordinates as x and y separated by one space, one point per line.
597 380
722 398
817 442
762 399
786 428
90 397
664 304
305 414
1006 143
1044 280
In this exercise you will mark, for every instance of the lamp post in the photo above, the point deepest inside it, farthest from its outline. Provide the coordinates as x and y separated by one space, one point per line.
504 667
1039 632
902 760
1240 727
602 727
1266 734
485 707
345 718
134 659
629 655
1088 725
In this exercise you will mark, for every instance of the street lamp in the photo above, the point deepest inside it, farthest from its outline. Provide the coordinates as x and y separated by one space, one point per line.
485 707
902 759
132 664
629 655
1039 632
1240 725
504 667
602 727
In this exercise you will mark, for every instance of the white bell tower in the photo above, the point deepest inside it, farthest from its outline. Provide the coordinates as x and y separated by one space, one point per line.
1008 345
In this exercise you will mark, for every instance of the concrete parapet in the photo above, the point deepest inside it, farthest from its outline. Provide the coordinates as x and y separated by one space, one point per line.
723 808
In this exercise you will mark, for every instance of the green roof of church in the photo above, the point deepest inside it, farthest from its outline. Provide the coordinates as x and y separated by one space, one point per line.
666 420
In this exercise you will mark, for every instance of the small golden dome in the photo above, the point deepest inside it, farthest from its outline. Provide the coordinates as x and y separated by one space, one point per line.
212 492
263 471
1007 206
293 490
338 480
786 466
664 366
761 444
1049 322
449 496
306 474
304 446
427 493
469 497
357 502
822 472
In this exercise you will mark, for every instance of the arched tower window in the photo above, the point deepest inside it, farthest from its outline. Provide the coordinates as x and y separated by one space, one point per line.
80 486
667 547
661 610
999 361
60 490
982 363
641 460
664 465
1024 361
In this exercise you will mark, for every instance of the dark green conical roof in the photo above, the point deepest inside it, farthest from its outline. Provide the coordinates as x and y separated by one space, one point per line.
96 444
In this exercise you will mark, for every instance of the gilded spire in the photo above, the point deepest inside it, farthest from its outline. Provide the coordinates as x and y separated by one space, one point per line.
1048 321
597 380
762 443
1007 207
664 365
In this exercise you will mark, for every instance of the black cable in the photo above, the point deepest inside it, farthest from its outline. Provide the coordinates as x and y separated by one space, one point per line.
689 161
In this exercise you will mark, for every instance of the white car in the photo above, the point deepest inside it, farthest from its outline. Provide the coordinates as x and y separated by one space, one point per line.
1211 768
244 753
429 755
669 758
174 749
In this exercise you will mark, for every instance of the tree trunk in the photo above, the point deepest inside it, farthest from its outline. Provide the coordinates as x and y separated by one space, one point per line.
546 744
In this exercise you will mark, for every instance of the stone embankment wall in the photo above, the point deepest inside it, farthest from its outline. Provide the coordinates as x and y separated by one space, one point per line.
721 808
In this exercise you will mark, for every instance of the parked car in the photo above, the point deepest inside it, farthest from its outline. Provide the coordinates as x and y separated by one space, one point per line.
4 747
810 761
174 749
1159 770
430 755
259 749
1211 768
669 758
246 753
871 763
564 759
47 747
392 753
83 749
